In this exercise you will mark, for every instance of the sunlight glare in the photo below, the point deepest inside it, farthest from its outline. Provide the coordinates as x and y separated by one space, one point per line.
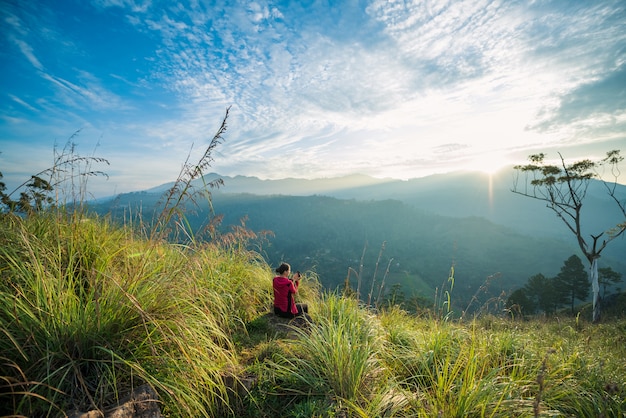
488 163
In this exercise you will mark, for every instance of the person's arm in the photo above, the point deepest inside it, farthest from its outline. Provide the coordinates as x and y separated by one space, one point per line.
296 281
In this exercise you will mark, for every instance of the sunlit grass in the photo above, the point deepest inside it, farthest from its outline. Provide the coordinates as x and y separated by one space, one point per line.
336 354
89 311
503 368
394 364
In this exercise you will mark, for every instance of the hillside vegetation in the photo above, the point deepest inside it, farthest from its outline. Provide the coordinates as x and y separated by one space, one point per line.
90 310
335 237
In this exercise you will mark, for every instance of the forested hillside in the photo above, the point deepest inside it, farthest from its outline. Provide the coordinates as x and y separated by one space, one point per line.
329 235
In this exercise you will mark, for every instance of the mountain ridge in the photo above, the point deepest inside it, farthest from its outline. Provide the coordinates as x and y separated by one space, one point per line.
456 194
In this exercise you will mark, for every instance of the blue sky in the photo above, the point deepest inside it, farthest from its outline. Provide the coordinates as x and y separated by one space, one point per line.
396 89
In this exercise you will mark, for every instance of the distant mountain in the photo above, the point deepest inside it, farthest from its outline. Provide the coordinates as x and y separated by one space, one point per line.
468 219
458 194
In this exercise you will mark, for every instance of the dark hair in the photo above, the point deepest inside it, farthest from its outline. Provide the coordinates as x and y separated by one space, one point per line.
283 268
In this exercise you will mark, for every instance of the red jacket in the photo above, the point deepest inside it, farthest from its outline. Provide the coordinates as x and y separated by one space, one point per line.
284 290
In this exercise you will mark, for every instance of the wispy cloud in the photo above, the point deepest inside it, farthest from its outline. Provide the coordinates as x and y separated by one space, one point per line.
379 87
23 103
27 50
90 93
16 35
476 60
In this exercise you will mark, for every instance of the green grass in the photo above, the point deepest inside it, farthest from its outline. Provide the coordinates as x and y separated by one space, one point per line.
89 311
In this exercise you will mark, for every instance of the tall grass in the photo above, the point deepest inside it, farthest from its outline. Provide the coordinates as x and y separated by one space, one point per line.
335 365
170 222
339 353
65 183
350 362
500 368
87 312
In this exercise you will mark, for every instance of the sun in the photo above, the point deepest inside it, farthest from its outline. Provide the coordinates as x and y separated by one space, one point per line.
488 163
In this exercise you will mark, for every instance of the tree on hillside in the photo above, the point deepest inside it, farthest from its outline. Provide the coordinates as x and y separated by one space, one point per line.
564 187
34 197
572 282
542 292
606 277
519 301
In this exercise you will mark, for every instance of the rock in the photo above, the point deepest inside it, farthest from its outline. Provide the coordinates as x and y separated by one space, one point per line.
91 414
143 402
286 326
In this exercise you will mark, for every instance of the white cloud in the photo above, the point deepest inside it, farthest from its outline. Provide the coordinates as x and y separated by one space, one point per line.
134 6
397 87
360 95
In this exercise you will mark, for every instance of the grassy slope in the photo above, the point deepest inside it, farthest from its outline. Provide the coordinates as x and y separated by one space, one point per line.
88 311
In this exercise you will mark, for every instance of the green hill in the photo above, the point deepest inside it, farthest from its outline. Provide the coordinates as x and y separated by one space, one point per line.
90 311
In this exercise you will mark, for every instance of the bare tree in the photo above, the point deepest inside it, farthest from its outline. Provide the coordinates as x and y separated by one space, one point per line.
564 188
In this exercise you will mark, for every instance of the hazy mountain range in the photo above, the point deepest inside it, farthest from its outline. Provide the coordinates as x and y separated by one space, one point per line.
459 194
472 218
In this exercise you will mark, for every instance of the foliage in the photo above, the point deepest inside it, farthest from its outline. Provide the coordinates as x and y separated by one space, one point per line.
564 187
88 312
572 281
63 183
549 294
519 303
337 355
607 277
544 294
423 368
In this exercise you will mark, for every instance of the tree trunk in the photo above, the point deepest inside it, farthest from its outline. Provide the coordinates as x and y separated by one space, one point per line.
596 290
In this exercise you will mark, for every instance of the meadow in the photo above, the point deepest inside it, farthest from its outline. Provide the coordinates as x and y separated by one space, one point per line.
90 310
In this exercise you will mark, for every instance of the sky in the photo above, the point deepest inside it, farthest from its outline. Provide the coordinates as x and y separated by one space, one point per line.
399 89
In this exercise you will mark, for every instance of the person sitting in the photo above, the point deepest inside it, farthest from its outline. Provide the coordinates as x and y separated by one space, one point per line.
284 290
